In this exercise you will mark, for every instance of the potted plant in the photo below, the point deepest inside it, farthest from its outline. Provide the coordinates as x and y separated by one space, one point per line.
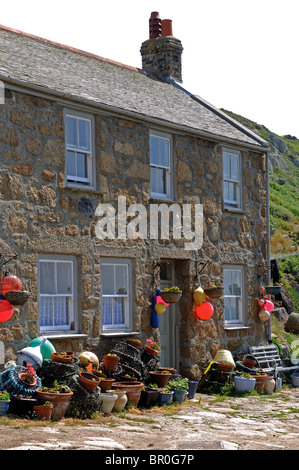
44 411
4 402
89 381
105 383
111 361
243 382
274 290
165 397
22 405
27 376
161 378
149 395
121 399
63 357
171 295
260 378
134 342
151 347
179 387
192 387
59 394
108 401
132 389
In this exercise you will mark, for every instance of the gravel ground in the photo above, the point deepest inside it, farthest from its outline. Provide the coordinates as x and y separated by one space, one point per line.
264 422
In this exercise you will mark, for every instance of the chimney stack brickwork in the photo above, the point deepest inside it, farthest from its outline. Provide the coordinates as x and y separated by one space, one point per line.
161 55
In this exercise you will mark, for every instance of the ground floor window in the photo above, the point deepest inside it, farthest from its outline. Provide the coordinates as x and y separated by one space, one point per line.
56 280
233 278
116 283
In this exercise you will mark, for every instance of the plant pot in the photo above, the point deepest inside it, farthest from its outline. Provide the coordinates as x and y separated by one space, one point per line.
295 379
108 401
123 378
121 400
4 405
169 369
134 342
259 382
61 359
132 389
22 406
158 378
171 297
269 385
179 396
274 290
22 375
106 384
149 397
192 387
165 398
250 363
224 367
89 381
243 384
111 362
60 402
214 292
43 411
150 350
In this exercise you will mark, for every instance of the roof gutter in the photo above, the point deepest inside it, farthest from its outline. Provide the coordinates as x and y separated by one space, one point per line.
65 98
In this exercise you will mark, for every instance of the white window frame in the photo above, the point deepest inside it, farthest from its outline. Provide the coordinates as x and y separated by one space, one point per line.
72 326
89 181
168 169
128 297
237 182
241 319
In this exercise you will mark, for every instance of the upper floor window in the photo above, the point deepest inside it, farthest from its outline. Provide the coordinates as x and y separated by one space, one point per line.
57 305
116 295
233 278
232 179
79 131
161 165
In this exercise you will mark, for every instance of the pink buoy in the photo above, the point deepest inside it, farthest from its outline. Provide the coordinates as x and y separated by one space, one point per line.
159 300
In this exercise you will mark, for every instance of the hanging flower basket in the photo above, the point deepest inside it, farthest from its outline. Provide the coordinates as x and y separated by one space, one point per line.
274 290
171 295
214 292
17 297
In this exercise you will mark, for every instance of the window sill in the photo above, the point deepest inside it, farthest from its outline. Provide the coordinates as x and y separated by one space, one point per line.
55 336
235 210
118 333
236 327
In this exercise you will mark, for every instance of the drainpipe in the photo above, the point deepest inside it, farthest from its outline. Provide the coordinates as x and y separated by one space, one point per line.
268 261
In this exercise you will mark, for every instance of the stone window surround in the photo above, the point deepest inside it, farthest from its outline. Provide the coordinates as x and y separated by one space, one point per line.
241 323
170 183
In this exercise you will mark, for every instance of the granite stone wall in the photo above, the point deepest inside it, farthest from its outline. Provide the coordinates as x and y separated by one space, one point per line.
40 215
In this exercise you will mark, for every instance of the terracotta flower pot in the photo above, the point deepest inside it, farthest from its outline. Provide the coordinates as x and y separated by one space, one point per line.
89 381
250 363
132 389
111 362
62 359
43 411
259 381
22 376
60 402
134 342
106 384
159 378
150 350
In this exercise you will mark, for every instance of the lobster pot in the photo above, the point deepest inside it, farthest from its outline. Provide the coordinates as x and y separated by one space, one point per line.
10 381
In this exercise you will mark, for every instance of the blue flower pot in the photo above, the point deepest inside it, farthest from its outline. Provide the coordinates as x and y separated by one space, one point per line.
179 396
192 387
4 404
165 398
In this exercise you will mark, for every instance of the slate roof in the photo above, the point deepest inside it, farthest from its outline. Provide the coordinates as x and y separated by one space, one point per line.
50 67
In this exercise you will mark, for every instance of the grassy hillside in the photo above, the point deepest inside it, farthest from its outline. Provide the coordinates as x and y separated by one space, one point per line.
284 186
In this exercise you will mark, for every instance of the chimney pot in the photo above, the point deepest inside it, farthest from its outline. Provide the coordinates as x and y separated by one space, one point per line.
166 28
155 25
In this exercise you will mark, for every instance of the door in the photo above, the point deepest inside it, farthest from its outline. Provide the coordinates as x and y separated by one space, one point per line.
168 323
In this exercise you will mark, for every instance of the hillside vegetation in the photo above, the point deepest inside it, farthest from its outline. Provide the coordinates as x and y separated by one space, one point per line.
283 185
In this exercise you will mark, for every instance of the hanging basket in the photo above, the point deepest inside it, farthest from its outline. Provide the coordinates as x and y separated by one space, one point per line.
17 297
171 297
274 290
214 292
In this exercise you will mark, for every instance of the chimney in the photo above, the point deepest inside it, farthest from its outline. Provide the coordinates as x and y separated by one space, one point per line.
161 53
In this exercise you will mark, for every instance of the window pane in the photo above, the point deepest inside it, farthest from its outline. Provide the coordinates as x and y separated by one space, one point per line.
84 135
45 311
107 309
226 166
234 310
61 311
164 152
227 281
108 279
64 278
161 181
71 163
153 180
226 308
71 132
121 280
236 281
235 167
118 311
232 192
154 150
47 278
81 165
225 190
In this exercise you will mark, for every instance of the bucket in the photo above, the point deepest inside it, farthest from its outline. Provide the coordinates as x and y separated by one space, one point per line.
295 379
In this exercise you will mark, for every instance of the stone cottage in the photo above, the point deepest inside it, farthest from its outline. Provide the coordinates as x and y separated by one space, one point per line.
81 135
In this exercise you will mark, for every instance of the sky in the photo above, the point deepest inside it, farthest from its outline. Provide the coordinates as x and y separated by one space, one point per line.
240 55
